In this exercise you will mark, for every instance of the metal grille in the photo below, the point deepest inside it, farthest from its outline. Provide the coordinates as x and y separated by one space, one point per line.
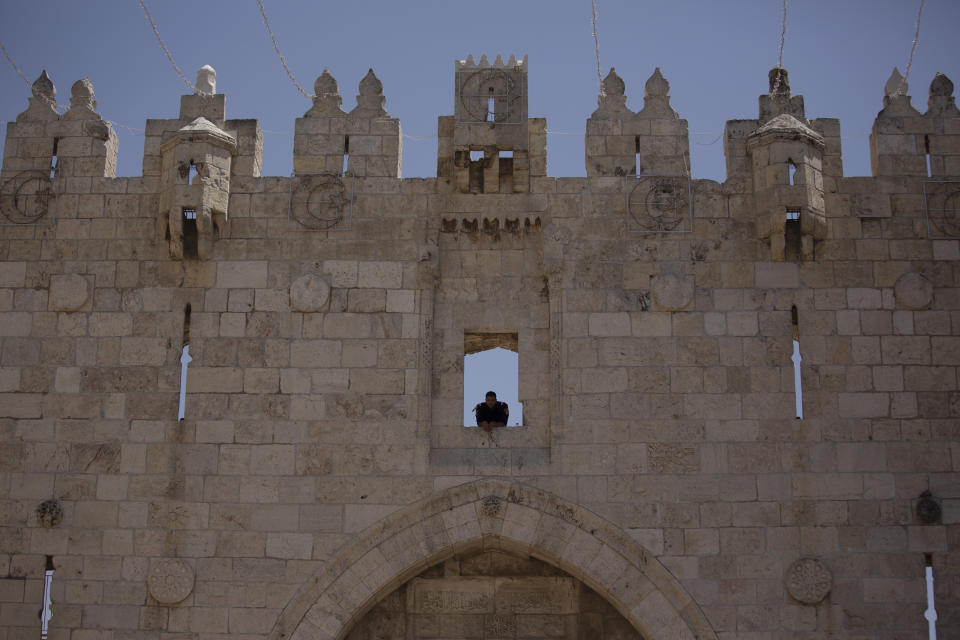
659 204
942 208
321 201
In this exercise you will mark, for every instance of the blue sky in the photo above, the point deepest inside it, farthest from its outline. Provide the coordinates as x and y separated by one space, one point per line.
715 54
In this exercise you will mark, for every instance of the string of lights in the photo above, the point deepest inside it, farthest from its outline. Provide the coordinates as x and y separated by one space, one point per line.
156 33
596 44
913 50
276 47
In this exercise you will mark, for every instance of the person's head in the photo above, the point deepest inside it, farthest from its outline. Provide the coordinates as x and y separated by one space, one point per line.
491 398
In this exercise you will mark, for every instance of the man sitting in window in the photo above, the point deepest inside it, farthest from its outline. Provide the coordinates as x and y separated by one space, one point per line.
491 413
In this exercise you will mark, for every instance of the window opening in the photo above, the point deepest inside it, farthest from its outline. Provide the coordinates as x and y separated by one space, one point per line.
797 359
476 171
192 179
46 613
491 363
792 236
53 159
491 108
793 172
638 168
190 240
185 361
931 613
506 171
926 151
346 155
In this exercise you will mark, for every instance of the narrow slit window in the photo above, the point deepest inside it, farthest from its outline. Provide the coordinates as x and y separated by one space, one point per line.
792 236
185 361
926 151
491 363
192 178
792 168
53 159
190 239
931 613
346 155
638 167
491 109
797 359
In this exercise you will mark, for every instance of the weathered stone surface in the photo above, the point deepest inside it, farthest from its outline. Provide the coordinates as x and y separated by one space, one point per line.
170 580
913 291
309 293
69 292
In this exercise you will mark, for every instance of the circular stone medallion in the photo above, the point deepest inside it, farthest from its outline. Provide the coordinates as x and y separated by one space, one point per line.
170 581
309 293
913 291
808 580
68 292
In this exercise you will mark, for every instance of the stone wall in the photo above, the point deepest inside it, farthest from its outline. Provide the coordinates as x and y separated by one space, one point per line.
662 477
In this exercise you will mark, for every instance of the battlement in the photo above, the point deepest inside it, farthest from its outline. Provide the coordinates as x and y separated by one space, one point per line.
235 405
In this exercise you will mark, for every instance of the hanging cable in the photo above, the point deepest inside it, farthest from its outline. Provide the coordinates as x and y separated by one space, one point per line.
56 105
276 48
156 32
14 64
596 45
783 34
913 49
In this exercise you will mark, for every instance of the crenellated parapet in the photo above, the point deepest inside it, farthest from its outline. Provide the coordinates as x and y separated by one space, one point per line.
367 142
652 141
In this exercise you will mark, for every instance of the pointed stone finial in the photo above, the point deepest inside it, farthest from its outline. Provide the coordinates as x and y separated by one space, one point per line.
499 61
656 98
81 94
206 81
370 101
483 61
524 61
613 84
470 61
895 85
779 82
657 85
896 102
326 98
82 103
941 100
612 103
43 103
941 86
43 88
512 62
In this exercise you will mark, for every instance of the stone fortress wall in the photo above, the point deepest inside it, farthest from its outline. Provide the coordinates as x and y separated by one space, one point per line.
321 485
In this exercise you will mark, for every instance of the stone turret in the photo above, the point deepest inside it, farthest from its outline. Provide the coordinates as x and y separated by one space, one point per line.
787 162
490 145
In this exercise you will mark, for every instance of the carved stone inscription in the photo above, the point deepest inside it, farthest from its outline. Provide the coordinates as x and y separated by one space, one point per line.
463 595
527 595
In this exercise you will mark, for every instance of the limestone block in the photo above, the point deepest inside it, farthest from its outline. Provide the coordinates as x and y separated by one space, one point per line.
70 292
241 275
170 580
382 275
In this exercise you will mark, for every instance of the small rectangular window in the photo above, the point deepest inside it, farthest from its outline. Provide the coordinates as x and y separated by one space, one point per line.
793 236
189 233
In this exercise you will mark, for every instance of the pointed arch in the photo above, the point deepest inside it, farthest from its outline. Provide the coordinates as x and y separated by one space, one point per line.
492 514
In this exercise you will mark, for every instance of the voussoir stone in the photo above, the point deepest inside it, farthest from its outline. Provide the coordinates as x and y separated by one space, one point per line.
309 293
671 292
68 292
913 291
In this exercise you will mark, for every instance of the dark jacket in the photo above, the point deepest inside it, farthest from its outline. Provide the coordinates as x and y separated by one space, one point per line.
497 413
